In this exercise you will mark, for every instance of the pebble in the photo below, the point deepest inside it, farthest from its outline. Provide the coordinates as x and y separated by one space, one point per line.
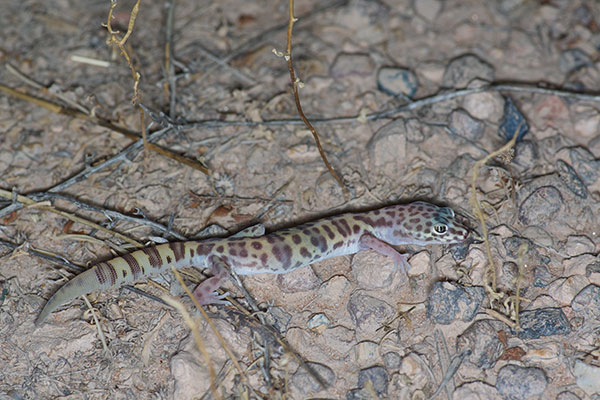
543 322
368 313
586 165
392 360
540 207
572 181
541 276
546 355
587 302
519 383
481 337
397 81
363 264
420 264
332 293
586 121
579 244
567 396
563 290
486 106
415 376
463 69
587 376
464 125
347 64
318 322
573 59
512 120
366 353
377 376
476 390
299 280
428 9
448 302
306 384
526 154
278 319
387 147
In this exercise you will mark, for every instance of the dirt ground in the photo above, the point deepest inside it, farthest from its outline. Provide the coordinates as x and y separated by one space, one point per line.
408 97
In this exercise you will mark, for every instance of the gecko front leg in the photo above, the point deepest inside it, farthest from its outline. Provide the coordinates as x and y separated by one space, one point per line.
368 241
205 292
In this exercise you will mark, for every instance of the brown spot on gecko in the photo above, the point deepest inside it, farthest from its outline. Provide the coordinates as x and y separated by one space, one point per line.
244 253
391 213
134 266
178 250
232 251
304 252
419 227
124 273
328 231
204 249
263 259
296 238
314 240
339 228
306 232
346 226
414 220
153 256
220 249
376 212
257 245
337 245
169 260
316 230
355 229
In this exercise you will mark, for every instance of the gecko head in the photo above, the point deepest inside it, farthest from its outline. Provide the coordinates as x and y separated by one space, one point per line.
435 225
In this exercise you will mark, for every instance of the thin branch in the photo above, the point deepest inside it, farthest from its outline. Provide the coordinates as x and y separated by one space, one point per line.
295 82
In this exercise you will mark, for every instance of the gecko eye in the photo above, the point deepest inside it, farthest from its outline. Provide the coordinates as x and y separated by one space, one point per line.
440 229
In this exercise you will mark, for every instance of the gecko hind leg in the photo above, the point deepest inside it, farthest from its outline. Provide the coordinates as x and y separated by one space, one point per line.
368 241
206 292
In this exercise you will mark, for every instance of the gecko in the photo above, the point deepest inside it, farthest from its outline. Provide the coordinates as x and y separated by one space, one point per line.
250 251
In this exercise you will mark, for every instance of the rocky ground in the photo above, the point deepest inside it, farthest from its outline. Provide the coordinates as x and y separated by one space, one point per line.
411 101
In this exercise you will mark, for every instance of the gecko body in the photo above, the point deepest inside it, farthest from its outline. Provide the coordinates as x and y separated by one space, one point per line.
251 252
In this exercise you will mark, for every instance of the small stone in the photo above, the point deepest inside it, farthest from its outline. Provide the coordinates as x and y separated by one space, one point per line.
482 339
366 353
587 376
302 153
420 264
450 301
305 382
540 207
546 355
392 360
428 9
564 290
586 122
476 391
278 319
387 147
298 280
526 154
397 81
367 312
377 376
587 302
579 244
318 322
512 120
346 64
412 370
463 69
541 276
520 383
543 322
584 162
332 293
567 396
486 106
573 59
462 124
363 264
569 177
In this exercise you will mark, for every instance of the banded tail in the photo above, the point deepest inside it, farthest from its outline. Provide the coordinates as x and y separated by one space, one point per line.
128 268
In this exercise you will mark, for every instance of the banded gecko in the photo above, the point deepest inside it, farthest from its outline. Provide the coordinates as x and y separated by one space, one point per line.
252 252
